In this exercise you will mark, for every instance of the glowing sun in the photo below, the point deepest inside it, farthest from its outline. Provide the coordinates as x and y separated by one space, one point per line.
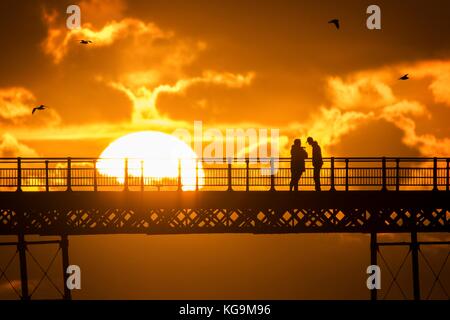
151 154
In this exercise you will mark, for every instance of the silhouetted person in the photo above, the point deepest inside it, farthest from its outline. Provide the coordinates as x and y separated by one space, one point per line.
316 160
298 156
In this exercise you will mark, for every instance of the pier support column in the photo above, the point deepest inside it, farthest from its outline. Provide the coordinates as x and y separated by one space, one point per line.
65 264
22 249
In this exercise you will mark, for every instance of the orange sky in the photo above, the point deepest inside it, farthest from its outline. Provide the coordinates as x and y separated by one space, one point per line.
160 65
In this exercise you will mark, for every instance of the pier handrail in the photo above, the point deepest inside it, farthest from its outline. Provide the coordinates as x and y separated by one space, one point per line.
221 174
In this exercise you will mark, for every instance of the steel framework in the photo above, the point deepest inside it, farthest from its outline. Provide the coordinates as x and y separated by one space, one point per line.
369 196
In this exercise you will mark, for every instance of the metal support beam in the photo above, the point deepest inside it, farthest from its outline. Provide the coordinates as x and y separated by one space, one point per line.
22 248
65 264
373 260
272 174
415 265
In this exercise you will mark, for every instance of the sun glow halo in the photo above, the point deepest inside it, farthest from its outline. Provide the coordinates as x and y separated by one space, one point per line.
153 154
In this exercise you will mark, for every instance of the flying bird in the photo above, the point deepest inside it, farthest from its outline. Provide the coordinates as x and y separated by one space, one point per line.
335 22
405 77
85 41
41 107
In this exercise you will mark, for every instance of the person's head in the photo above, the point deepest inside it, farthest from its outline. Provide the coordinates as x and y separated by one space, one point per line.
297 142
310 140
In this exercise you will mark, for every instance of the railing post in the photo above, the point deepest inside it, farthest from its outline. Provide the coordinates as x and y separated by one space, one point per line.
346 174
142 175
448 176
95 175
22 249
69 174
47 187
383 174
332 187
125 180
435 174
272 175
415 265
196 174
19 174
179 175
247 174
397 174
229 175
373 260
64 245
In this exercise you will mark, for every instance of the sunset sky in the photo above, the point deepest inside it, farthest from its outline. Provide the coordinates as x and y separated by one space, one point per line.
161 65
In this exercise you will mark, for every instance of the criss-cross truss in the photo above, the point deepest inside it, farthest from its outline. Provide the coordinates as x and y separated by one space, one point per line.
75 213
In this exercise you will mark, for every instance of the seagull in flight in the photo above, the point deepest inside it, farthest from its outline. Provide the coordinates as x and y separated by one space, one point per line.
405 77
41 107
83 41
335 22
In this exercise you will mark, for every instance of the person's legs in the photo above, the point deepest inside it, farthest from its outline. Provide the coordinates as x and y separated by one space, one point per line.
317 177
299 177
296 184
294 181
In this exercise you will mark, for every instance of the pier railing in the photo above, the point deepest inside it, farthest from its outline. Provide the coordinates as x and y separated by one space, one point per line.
346 174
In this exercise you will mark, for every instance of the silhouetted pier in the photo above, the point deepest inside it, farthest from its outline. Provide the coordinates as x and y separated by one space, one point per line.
75 196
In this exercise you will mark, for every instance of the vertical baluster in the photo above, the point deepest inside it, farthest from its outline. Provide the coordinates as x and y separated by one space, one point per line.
272 174
247 174
179 175
332 186
397 174
383 174
435 174
69 174
196 174
19 174
125 183
229 175
142 175
346 174
47 187
448 175
95 175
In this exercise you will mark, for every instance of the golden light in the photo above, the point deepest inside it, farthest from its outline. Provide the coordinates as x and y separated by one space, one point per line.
151 154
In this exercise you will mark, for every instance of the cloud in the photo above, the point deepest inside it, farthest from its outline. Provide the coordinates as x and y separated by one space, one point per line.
99 12
15 104
145 99
60 39
439 73
330 124
10 147
370 95
364 92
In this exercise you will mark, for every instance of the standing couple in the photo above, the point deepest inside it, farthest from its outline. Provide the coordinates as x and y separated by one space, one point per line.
298 156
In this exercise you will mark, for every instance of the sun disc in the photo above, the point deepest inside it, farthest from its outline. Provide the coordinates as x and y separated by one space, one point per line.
151 154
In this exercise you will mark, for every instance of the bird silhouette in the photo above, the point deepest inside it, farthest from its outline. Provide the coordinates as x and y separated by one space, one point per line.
335 22
405 77
41 107
82 41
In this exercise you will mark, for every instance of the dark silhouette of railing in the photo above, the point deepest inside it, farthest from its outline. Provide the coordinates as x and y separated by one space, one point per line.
92 174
